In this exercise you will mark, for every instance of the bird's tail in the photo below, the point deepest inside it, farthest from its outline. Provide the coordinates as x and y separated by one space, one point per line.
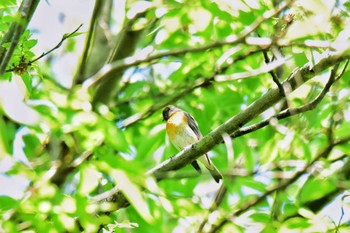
196 166
215 173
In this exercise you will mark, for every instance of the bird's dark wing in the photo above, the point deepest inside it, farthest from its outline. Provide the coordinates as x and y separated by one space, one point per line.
193 125
169 111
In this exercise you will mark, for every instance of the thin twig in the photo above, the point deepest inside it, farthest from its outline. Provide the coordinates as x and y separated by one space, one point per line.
248 74
342 210
105 195
216 203
273 74
343 70
64 37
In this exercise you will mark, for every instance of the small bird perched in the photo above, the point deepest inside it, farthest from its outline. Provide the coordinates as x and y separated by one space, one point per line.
183 131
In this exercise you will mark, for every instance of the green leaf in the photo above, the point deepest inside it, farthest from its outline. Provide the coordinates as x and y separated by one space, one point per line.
116 138
6 45
342 131
246 18
294 223
73 35
133 193
7 76
260 217
28 44
289 209
249 182
7 3
89 179
316 188
300 59
270 228
7 203
27 79
7 134
345 148
269 152
71 45
31 144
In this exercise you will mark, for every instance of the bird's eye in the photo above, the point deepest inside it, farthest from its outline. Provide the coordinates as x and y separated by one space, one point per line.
166 113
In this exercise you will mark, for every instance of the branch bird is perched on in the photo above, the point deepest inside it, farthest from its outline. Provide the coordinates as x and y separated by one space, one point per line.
183 131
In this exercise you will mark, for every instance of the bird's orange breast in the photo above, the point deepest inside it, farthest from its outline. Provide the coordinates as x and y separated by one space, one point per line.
175 124
179 132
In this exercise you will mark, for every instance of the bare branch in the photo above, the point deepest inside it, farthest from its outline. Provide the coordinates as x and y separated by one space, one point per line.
64 37
261 70
273 74
105 195
265 42
343 70
216 203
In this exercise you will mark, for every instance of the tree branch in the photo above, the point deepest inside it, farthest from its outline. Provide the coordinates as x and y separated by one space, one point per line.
261 70
17 28
216 203
273 74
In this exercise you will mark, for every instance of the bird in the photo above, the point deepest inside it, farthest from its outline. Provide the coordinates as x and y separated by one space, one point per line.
182 130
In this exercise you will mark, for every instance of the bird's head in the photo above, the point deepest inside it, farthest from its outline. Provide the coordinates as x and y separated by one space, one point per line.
168 111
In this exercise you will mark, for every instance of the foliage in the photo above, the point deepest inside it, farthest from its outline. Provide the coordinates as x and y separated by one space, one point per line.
73 161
